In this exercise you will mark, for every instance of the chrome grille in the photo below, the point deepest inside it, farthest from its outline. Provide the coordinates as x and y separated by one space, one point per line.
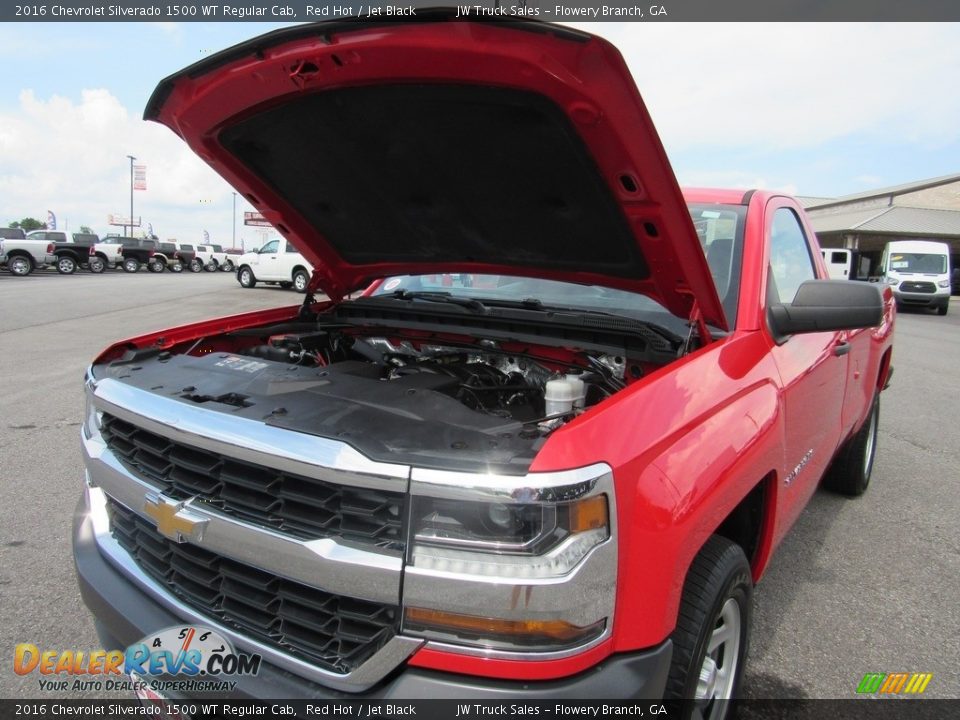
302 507
335 632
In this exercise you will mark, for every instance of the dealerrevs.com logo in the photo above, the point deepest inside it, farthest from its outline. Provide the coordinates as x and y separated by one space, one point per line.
182 658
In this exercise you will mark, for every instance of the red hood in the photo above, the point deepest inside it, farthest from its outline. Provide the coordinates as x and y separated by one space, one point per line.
446 146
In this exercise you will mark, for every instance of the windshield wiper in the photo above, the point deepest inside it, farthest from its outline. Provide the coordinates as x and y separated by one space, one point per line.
440 297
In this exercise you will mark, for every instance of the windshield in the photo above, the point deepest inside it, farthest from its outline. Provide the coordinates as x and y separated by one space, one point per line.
719 227
918 263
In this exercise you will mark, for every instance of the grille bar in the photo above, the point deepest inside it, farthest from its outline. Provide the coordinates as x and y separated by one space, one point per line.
335 632
917 286
303 507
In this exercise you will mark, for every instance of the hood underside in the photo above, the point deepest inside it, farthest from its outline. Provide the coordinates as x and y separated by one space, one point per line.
509 148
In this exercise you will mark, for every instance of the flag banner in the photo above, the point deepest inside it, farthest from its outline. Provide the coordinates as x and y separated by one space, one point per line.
51 220
139 177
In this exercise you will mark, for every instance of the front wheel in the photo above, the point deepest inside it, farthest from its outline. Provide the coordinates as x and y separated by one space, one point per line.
211 266
176 267
246 278
300 281
96 264
196 265
66 265
712 633
227 266
156 267
20 266
849 473
942 309
131 265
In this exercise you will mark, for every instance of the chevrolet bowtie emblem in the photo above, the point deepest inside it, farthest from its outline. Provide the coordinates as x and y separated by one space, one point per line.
173 520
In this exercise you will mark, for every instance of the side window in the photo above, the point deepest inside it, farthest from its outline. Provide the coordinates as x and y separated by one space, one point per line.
790 262
270 247
291 248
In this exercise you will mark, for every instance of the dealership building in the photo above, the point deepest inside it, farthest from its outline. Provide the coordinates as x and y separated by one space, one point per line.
867 221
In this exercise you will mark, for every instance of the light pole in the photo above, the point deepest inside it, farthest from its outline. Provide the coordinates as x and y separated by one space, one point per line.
132 158
233 243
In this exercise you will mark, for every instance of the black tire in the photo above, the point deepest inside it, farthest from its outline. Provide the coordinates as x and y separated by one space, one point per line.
849 473
227 266
155 266
211 266
195 265
176 267
714 610
245 277
131 265
942 309
19 265
66 265
300 280
96 264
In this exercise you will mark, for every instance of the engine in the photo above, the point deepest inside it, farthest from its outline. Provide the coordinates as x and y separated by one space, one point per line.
483 377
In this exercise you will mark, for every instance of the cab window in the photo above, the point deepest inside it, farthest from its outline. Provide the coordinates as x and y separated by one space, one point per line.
790 260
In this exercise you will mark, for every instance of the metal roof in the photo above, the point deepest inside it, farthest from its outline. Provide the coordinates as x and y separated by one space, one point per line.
897 220
892 190
809 201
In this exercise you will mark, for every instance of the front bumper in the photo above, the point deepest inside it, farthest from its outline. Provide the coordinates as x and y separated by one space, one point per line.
124 615
930 300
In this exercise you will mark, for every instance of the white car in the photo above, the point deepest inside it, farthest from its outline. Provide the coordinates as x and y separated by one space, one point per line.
276 262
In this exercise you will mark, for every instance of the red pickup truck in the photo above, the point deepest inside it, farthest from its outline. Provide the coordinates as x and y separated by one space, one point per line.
549 450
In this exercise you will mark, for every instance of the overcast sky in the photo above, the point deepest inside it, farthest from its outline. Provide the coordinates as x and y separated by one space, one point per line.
814 109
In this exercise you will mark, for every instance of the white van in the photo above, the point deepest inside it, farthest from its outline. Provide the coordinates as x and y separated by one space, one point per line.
919 273
842 264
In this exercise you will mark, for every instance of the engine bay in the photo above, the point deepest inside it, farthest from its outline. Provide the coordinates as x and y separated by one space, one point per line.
436 399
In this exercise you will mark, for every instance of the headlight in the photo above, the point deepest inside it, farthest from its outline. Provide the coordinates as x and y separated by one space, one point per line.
506 539
504 564
944 283
893 281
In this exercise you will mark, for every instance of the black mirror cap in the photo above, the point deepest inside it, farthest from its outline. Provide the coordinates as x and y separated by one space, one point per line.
827 305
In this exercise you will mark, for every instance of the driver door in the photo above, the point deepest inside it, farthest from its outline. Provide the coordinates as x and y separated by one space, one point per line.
267 263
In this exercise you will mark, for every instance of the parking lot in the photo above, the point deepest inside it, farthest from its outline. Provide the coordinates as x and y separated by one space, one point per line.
865 585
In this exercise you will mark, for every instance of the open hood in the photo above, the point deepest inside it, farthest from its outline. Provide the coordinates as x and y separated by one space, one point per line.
442 145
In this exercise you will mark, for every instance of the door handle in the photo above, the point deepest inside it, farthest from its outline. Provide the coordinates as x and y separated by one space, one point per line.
841 348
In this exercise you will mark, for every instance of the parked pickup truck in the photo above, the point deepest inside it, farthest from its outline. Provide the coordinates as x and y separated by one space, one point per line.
222 259
560 479
166 257
136 252
84 250
278 262
22 255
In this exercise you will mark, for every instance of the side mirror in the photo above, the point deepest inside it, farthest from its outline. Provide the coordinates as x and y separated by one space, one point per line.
256 250
827 305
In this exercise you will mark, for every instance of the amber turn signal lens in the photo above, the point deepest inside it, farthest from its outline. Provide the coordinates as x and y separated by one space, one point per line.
588 514
557 631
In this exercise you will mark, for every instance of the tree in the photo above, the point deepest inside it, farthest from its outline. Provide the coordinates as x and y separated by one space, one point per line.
85 229
28 224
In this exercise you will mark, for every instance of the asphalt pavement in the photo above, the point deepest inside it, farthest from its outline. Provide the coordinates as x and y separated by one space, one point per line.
863 585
